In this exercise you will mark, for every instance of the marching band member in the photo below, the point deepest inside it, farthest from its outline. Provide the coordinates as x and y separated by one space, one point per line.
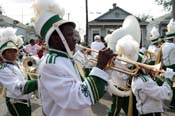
168 48
125 42
20 45
153 49
18 90
62 92
121 80
168 53
149 95
97 45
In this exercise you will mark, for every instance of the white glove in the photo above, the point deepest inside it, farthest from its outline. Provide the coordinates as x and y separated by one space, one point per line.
169 73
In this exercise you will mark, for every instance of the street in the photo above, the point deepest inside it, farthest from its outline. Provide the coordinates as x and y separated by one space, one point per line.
99 109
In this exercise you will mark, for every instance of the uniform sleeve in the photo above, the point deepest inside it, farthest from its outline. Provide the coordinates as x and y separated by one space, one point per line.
68 92
11 82
163 92
30 86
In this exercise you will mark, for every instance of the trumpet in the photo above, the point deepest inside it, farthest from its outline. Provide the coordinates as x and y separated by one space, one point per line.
133 72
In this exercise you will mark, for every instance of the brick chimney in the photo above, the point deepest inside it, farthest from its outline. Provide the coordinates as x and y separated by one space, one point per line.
114 5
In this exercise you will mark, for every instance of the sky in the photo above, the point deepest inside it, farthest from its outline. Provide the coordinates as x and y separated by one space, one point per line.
75 9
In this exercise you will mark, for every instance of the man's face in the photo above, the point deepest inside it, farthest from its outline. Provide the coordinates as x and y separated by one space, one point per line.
68 32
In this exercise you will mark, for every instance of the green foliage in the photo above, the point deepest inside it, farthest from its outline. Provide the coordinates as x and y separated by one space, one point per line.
167 4
145 17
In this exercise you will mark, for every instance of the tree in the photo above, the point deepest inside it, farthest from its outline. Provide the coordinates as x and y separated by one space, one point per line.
168 5
145 17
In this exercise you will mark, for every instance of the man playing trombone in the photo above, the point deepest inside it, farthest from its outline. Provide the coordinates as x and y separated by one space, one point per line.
121 80
125 42
62 90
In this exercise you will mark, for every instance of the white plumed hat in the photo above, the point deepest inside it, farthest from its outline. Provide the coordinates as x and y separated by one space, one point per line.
7 39
19 41
170 30
155 35
47 14
128 47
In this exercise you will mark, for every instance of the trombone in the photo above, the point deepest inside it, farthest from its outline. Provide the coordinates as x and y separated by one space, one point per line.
133 72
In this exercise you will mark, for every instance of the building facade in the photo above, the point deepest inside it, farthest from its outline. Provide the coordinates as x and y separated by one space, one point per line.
26 31
112 19
160 23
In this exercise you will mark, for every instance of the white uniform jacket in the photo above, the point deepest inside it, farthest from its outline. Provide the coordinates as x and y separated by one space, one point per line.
61 90
149 95
120 79
14 81
168 54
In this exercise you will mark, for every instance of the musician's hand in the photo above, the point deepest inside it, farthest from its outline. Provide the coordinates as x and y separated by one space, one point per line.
104 57
169 73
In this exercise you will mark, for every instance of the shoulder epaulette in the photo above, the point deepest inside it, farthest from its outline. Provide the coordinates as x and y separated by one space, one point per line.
51 59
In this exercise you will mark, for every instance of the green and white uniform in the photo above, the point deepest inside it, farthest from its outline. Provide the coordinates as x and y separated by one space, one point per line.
61 90
18 90
149 95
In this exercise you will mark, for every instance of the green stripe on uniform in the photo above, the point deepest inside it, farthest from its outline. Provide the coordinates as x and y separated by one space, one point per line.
154 40
51 59
170 35
58 53
98 86
47 60
144 78
93 90
96 90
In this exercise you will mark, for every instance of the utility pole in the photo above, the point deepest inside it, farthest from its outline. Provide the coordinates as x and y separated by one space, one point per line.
22 15
173 8
68 16
86 38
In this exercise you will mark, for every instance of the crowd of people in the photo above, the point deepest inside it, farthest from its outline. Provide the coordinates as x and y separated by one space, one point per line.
65 91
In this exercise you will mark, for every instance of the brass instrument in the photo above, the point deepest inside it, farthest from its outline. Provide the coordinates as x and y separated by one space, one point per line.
155 68
30 66
149 54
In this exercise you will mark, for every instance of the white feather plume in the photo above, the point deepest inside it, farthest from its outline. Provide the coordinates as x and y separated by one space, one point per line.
7 34
154 33
171 27
128 47
19 41
43 6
